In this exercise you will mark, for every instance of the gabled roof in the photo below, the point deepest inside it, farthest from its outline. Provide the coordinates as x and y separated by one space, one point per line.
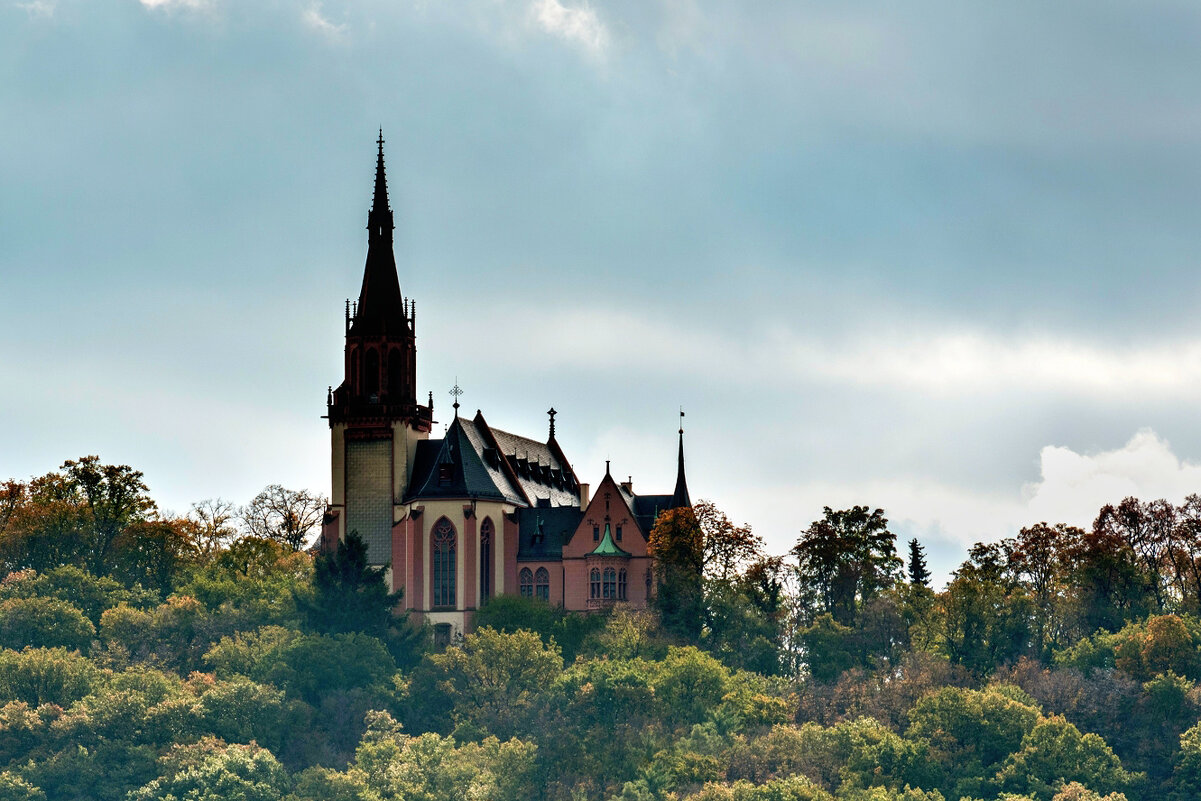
456 469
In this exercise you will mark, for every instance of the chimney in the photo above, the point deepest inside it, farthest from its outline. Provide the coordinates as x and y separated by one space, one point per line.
584 496
628 485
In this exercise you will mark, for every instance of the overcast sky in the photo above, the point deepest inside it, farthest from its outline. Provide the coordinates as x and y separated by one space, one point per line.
935 257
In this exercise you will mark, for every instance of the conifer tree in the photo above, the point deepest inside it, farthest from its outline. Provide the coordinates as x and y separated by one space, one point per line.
919 575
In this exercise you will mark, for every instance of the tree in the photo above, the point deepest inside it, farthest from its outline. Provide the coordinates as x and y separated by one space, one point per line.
677 545
44 623
349 594
727 549
114 496
919 574
495 682
211 523
284 515
845 559
213 771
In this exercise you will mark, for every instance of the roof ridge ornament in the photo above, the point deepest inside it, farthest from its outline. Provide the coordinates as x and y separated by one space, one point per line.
456 391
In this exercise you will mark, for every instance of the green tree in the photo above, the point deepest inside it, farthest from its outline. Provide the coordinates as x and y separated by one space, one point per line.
46 676
495 683
1054 752
213 771
677 545
397 767
919 574
44 623
14 788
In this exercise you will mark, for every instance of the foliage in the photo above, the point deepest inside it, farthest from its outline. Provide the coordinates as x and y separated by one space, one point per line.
44 623
676 543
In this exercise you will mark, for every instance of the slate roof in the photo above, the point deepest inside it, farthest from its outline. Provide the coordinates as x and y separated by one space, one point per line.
647 507
380 310
453 467
555 524
540 472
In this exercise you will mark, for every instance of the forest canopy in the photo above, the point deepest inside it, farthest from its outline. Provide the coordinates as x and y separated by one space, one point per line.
147 656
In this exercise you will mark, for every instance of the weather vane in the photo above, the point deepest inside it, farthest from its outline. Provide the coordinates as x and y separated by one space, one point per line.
456 392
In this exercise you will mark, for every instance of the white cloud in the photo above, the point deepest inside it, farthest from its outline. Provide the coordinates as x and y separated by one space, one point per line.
936 363
576 24
38 8
1074 486
193 4
317 21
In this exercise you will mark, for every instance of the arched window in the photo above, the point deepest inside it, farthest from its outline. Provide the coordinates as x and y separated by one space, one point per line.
594 583
621 584
444 547
542 584
610 584
355 357
486 559
526 579
396 371
371 373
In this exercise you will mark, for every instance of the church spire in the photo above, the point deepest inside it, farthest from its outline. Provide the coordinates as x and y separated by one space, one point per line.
380 310
680 498
379 221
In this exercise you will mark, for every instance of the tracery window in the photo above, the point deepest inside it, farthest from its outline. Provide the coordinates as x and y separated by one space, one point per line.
445 548
610 589
486 559
527 582
621 584
395 375
371 372
594 583
542 584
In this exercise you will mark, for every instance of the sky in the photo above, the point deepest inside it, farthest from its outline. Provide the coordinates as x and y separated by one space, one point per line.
939 258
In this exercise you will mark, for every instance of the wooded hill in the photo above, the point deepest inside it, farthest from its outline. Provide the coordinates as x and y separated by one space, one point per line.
203 657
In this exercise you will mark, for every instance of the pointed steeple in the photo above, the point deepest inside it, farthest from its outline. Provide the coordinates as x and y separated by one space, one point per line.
381 309
680 498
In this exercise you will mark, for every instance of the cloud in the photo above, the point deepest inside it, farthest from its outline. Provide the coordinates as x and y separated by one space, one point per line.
38 8
192 4
576 24
945 363
316 20
1074 486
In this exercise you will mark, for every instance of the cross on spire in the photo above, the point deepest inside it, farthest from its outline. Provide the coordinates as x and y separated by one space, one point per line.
456 391
552 414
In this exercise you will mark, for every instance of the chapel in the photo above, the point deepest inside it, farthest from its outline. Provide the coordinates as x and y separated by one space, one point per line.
481 511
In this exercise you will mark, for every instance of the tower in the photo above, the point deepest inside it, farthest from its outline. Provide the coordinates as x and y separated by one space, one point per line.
374 418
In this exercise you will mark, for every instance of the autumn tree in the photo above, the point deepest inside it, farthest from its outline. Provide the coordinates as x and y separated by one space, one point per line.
284 515
212 524
844 560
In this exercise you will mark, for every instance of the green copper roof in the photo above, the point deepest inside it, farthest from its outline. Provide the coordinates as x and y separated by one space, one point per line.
607 547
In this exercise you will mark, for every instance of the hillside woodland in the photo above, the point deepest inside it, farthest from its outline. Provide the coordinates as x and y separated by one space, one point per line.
148 656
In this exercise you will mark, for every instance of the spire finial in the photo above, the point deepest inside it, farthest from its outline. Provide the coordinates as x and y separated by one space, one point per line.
456 391
680 497
551 413
606 467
